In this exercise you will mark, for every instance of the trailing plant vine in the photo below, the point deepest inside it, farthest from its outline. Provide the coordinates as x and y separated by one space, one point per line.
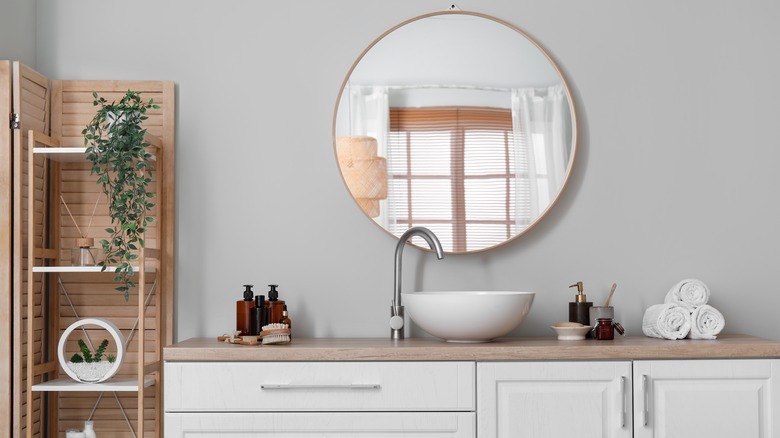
118 152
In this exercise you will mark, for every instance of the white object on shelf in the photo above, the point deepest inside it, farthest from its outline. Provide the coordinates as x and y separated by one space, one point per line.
571 333
119 384
89 429
119 341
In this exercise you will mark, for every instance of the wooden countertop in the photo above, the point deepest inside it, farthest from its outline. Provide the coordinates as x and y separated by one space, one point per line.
521 348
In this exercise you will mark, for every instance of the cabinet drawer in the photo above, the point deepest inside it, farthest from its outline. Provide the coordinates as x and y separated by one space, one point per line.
314 424
319 386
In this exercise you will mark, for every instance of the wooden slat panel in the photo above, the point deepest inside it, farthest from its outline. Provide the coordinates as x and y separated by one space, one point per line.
94 294
109 96
77 113
147 87
31 98
6 256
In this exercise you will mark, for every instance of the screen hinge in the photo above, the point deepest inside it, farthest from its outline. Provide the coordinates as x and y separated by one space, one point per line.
14 119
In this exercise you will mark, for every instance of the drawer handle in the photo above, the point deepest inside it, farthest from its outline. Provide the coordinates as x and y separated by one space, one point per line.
646 396
623 396
354 386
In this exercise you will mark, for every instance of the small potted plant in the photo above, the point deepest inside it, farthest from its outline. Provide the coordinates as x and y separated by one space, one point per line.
90 367
120 157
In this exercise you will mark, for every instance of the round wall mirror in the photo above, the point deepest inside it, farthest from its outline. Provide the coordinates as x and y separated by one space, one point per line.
458 122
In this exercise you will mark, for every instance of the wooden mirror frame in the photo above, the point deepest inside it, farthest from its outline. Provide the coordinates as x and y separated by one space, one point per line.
570 101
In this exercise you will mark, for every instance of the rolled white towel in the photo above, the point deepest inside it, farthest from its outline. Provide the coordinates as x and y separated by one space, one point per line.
689 293
706 323
666 321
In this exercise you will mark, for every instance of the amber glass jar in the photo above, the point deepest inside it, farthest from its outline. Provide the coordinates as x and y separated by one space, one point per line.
604 329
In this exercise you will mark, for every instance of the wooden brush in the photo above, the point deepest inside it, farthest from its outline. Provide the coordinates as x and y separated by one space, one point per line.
275 334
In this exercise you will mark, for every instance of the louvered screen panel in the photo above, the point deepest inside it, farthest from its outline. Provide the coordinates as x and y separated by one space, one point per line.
6 253
31 101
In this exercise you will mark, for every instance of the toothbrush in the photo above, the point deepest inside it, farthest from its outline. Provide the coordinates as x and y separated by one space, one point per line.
609 298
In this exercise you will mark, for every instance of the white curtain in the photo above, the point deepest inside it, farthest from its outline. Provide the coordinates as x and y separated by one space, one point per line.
369 114
540 131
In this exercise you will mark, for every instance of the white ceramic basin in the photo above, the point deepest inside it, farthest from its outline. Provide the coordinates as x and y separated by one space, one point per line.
468 316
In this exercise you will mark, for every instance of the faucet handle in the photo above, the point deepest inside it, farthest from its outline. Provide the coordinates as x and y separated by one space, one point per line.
396 322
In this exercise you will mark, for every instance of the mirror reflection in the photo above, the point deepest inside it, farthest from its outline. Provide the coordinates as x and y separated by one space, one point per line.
457 122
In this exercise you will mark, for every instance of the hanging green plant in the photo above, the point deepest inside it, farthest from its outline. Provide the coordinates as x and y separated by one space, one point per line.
120 158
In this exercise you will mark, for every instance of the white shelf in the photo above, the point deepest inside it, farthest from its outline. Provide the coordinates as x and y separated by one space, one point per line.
66 384
76 269
70 155
66 155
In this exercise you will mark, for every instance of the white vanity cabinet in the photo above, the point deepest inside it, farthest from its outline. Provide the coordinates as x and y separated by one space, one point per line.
323 399
632 387
554 399
707 398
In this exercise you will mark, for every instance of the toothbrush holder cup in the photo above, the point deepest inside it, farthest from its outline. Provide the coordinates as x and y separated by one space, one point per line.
597 312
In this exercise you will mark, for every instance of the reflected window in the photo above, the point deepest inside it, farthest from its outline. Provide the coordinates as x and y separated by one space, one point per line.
454 170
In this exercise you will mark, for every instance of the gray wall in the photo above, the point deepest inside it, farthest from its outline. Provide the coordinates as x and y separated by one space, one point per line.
675 174
17 31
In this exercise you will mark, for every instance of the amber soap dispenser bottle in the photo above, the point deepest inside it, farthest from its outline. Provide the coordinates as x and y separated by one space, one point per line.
579 309
275 305
244 312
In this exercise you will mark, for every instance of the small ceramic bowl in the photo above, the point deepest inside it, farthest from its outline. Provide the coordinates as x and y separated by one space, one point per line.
571 333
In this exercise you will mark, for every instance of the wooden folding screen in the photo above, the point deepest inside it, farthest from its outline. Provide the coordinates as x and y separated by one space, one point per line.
91 296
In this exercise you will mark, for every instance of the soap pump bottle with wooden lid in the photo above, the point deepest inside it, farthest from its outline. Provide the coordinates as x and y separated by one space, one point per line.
579 309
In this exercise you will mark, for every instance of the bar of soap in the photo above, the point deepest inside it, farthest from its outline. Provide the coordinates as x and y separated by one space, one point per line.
568 324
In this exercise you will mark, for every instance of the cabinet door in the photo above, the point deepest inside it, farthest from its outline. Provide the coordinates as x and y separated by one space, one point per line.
320 424
712 398
553 399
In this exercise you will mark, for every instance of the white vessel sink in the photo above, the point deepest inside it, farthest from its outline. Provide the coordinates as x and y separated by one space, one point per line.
468 316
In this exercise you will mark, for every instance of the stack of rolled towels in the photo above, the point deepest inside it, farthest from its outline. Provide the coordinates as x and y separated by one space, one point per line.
684 314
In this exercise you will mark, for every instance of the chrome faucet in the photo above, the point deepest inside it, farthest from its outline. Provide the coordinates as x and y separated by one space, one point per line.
397 309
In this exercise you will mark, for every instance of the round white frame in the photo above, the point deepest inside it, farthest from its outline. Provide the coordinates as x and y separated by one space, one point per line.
109 327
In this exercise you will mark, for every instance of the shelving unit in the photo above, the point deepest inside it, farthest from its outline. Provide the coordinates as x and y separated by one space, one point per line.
54 166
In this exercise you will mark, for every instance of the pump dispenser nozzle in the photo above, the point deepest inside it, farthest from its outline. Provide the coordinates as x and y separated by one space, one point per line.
580 297
273 294
248 294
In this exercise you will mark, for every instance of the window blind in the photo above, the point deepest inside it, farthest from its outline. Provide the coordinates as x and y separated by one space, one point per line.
453 170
